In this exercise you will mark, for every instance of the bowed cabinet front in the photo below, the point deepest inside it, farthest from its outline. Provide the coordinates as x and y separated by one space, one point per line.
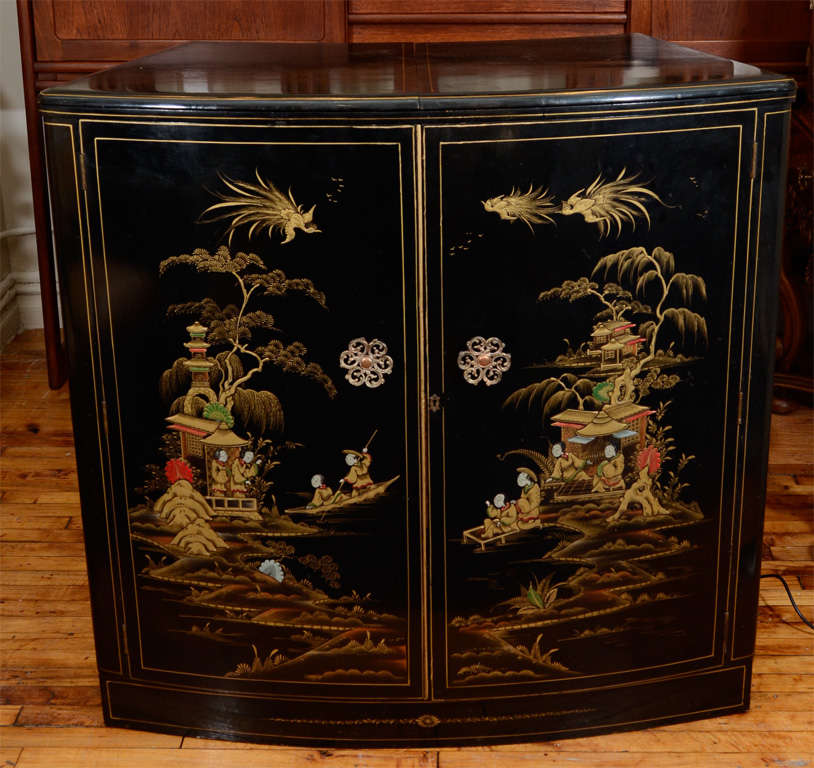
420 431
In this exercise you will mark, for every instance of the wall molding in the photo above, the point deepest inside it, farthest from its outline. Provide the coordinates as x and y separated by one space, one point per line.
27 295
27 283
18 231
8 291
10 324
20 293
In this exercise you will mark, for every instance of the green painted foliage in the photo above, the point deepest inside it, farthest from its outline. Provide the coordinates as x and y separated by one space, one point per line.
218 412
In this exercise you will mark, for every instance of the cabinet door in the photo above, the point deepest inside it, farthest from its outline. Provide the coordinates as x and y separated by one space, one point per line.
253 310
588 282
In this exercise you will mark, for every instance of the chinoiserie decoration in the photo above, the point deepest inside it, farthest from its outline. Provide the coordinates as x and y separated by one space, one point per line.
484 360
262 206
366 362
605 203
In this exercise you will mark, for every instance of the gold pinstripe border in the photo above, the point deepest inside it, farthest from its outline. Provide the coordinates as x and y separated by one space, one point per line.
388 121
395 144
710 86
748 393
93 366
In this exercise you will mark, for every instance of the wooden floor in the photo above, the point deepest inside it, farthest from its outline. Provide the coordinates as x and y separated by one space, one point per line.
49 698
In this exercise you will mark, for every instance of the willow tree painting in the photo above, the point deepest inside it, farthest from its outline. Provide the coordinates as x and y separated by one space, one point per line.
647 271
222 563
648 301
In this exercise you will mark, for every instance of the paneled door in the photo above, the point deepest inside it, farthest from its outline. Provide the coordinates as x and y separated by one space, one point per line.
251 301
588 278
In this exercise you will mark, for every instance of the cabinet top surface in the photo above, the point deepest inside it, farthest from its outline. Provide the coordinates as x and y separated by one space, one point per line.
415 77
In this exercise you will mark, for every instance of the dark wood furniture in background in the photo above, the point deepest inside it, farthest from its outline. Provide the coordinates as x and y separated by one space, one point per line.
62 39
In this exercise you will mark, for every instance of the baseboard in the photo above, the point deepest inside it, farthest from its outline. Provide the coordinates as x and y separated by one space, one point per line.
29 303
10 324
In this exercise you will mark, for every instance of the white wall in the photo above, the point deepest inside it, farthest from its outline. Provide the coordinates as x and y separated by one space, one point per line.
19 280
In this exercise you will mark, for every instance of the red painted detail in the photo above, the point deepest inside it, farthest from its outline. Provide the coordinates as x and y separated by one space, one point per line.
191 430
178 469
639 415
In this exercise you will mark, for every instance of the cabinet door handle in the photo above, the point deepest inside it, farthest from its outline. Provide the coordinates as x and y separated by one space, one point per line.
366 362
484 360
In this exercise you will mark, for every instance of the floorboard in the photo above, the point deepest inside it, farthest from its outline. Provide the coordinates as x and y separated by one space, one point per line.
50 711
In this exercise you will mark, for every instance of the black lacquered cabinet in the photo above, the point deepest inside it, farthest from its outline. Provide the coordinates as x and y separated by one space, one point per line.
420 393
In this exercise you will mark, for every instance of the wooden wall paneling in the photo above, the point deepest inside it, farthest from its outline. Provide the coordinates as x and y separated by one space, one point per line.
786 56
453 20
640 16
455 30
771 34
795 341
742 20
478 7
120 30
199 19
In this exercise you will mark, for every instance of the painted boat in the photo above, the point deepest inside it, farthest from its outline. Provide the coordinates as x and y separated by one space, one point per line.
373 492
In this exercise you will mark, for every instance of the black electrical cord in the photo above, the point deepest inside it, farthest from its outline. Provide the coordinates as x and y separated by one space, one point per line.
791 597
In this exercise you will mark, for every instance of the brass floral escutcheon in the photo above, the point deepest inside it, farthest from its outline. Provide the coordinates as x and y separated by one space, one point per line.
484 360
366 362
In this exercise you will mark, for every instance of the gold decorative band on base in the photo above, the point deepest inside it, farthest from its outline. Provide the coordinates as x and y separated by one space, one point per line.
430 721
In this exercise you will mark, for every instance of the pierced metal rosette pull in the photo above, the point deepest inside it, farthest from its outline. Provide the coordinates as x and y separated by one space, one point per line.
484 360
366 362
